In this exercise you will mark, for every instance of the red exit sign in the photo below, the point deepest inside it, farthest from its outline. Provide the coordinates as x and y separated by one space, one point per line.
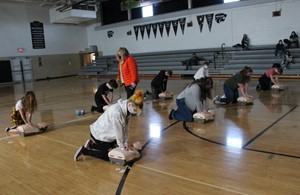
20 50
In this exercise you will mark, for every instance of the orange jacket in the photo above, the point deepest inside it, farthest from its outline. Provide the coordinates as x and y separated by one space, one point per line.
129 71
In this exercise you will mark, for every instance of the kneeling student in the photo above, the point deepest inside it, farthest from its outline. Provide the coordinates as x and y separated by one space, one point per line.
269 78
111 128
159 83
101 98
192 99
22 112
235 84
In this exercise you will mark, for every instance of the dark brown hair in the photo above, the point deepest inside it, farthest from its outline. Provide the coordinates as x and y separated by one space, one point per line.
206 84
113 83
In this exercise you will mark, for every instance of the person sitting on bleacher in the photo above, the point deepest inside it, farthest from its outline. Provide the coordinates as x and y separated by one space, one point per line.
194 60
293 40
279 49
288 58
245 42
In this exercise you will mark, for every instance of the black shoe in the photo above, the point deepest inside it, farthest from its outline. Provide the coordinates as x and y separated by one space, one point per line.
7 129
171 113
78 153
88 144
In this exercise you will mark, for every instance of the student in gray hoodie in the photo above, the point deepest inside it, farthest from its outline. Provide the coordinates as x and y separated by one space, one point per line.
192 99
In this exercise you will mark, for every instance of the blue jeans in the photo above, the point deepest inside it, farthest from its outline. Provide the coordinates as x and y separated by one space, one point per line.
183 113
231 95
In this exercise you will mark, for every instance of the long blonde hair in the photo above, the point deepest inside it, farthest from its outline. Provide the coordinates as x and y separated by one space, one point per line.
124 54
29 102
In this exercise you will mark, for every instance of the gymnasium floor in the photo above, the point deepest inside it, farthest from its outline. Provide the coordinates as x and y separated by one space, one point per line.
246 150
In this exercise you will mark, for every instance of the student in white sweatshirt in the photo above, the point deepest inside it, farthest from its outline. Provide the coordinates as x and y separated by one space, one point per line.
111 128
202 72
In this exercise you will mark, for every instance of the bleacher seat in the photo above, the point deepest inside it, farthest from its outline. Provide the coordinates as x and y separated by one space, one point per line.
259 58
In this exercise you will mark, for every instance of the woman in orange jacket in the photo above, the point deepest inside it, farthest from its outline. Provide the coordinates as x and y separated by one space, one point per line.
127 71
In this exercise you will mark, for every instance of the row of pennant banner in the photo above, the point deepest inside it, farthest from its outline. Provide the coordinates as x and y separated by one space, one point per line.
166 25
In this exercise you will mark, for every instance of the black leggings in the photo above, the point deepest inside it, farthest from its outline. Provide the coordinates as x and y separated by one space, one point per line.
155 92
265 82
129 90
99 149
100 104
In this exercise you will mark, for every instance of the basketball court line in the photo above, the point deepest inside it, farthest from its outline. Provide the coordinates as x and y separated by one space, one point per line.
53 127
71 121
250 141
268 127
128 168
272 153
57 141
191 180
8 137
61 124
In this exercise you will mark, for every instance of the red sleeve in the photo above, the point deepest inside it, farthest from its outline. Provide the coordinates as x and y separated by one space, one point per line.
132 65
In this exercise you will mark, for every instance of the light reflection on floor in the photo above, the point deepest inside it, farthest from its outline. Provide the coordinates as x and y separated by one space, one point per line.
155 130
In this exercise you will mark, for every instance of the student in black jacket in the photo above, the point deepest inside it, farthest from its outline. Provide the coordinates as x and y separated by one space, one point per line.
279 49
159 83
101 98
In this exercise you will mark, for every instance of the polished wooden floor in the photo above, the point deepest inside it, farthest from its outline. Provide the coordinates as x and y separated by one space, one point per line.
246 150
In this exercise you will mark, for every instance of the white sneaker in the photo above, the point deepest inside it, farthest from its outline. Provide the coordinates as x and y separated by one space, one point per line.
216 98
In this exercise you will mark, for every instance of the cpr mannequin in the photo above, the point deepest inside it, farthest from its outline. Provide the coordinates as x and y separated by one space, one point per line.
122 157
166 95
27 130
278 87
202 117
245 101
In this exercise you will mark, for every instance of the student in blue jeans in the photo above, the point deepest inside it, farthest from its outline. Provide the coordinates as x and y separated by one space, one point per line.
192 99
234 84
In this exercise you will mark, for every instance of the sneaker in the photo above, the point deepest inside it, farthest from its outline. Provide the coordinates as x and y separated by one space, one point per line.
10 128
88 144
78 153
170 115
217 98
258 87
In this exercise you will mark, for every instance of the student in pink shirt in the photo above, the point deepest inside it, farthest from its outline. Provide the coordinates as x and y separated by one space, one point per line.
269 78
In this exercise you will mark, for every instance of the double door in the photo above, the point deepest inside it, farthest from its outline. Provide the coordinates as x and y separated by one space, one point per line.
21 69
